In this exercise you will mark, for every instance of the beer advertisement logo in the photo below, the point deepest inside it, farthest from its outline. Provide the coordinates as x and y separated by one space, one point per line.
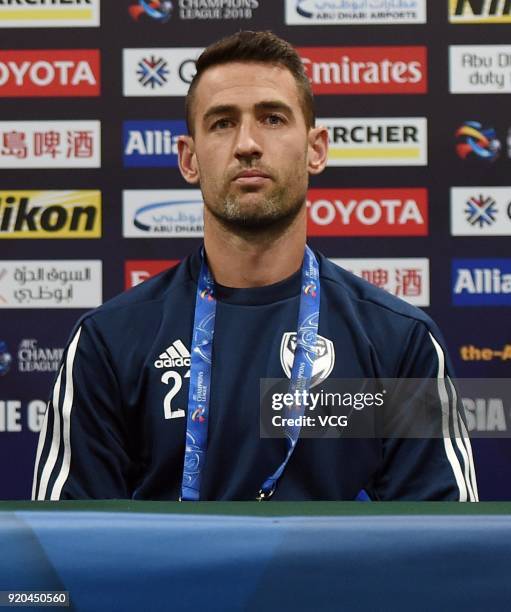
407 278
367 212
45 14
366 70
49 73
50 144
50 214
377 141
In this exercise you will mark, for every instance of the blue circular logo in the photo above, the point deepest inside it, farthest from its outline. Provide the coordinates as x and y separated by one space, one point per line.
161 10
5 359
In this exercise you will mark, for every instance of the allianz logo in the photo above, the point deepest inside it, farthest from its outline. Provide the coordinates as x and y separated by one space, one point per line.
482 281
151 142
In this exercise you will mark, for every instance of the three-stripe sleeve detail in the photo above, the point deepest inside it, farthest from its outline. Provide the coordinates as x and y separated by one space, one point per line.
465 477
61 406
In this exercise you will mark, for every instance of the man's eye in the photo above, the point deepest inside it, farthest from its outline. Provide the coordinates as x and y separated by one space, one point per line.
221 124
274 119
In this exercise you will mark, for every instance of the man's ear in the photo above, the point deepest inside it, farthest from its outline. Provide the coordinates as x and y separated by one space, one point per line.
317 153
187 159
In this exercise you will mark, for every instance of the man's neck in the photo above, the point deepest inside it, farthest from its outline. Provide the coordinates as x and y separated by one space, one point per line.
254 259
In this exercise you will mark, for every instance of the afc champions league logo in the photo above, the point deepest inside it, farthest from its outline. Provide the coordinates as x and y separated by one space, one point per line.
323 363
310 289
5 358
475 142
160 10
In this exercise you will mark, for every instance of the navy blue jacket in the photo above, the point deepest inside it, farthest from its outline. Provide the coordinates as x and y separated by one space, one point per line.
107 431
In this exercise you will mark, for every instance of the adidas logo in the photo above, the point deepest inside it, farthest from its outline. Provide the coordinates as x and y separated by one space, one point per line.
175 356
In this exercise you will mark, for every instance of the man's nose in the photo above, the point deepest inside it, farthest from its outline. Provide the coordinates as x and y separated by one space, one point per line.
247 143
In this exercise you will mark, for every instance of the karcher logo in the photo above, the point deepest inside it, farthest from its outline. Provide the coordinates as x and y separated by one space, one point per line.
45 2
49 13
377 141
174 356
480 11
50 214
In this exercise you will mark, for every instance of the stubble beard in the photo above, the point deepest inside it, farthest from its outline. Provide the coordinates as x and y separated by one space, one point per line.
274 213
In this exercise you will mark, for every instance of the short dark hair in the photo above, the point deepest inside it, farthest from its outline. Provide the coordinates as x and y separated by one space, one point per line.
248 46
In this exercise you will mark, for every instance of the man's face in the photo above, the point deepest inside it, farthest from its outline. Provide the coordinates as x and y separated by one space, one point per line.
250 149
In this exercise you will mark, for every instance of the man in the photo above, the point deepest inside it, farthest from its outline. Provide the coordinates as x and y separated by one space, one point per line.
180 357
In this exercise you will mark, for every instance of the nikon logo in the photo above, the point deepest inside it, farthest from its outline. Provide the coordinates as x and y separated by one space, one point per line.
480 11
50 214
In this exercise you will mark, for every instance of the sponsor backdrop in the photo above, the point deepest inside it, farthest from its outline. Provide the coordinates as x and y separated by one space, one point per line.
416 197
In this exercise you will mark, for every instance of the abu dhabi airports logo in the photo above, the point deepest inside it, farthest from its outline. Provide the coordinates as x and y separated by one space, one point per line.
473 142
152 72
342 12
158 10
5 358
481 211
163 213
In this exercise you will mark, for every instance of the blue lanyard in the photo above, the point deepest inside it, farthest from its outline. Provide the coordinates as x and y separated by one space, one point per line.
200 373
